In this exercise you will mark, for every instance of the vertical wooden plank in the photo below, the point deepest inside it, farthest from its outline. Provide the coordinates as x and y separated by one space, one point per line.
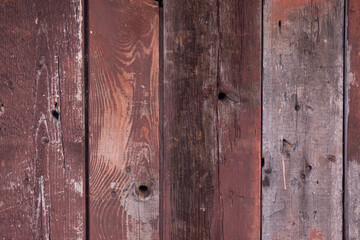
352 171
41 120
191 46
212 69
303 119
124 119
239 120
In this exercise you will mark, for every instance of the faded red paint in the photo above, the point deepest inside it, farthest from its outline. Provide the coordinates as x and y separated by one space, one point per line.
283 8
315 235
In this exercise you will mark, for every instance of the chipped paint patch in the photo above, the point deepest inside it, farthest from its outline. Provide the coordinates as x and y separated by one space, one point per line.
78 186
79 55
315 235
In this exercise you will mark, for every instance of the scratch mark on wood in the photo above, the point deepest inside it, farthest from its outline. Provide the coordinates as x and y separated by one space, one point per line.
283 170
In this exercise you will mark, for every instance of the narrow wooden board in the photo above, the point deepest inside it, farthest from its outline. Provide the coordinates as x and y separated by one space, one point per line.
303 119
352 171
41 120
212 120
124 119
238 179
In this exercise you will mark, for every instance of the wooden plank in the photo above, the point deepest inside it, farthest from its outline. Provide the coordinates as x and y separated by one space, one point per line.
212 73
239 120
124 119
303 119
41 120
352 170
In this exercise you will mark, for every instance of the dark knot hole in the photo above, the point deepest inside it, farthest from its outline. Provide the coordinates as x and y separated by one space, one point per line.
143 190
55 114
222 96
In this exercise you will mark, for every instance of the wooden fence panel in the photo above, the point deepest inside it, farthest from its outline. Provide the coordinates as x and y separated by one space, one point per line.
124 119
179 157
352 171
212 96
303 119
41 120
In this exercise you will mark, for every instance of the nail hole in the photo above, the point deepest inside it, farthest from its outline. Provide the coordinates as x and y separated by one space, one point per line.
55 114
309 167
297 107
128 169
222 96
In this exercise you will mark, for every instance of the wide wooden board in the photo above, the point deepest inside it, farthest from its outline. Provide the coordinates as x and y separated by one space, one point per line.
41 120
303 119
211 121
124 119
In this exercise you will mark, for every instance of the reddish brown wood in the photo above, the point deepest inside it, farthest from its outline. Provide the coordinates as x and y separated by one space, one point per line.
352 170
41 120
212 119
124 119
237 184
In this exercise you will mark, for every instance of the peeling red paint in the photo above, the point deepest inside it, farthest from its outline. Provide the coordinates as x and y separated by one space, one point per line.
315 235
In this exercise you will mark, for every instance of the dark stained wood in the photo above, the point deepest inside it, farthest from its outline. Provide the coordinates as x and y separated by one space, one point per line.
190 99
41 120
212 120
352 171
124 119
303 119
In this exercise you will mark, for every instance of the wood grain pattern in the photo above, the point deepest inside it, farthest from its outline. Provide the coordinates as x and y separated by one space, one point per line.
124 119
302 121
352 170
41 120
211 168
239 121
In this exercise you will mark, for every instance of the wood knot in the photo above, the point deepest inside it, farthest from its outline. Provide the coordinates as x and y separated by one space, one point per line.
143 190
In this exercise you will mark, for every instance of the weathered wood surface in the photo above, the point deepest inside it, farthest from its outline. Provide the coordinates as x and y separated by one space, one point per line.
302 119
41 120
212 120
124 119
239 121
352 171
